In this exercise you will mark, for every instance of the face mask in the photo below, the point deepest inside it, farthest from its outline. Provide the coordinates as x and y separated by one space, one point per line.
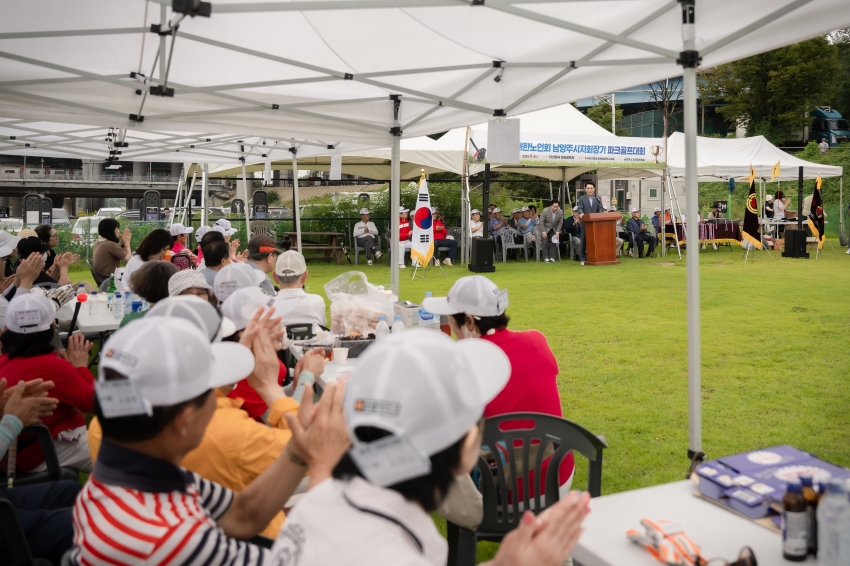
44 257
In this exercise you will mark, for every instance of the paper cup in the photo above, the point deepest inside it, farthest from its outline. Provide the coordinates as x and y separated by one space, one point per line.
340 355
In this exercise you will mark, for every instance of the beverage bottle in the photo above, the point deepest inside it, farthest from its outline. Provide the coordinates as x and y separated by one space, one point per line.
81 289
103 308
110 299
428 319
111 288
398 325
94 305
833 512
794 524
811 517
128 302
118 306
382 330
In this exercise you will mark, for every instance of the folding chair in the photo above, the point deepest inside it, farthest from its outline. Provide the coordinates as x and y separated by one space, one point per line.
358 249
15 539
508 243
54 471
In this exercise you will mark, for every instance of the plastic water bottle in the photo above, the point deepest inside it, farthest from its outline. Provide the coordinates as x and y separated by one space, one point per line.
382 330
833 525
94 304
398 325
118 306
103 299
81 289
428 319
110 300
128 302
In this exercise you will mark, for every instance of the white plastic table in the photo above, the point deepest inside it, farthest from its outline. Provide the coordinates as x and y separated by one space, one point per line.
103 322
334 370
720 533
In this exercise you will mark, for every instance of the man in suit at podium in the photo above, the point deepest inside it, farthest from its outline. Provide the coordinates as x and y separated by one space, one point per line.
588 203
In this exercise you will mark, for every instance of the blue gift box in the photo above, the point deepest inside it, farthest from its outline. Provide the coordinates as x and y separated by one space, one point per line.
746 502
714 479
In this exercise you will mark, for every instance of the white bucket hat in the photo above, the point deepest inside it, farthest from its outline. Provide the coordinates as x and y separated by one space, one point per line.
187 279
8 243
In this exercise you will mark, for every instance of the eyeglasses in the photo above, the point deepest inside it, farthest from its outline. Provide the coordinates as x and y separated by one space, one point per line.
745 558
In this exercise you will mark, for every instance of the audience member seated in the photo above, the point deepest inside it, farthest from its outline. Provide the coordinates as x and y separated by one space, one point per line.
226 229
189 282
476 309
291 274
8 253
49 236
570 230
262 255
236 276
656 224
216 258
498 225
476 227
110 249
527 224
43 510
153 247
150 282
176 371
438 390
34 245
534 216
405 233
364 233
441 240
180 237
513 221
28 354
199 235
637 227
21 282
619 234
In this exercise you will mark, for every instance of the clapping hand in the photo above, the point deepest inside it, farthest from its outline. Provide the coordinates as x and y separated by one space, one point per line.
126 236
28 271
5 282
78 350
313 361
234 248
27 400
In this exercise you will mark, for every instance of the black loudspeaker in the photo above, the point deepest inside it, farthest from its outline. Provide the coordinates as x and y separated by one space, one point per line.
481 260
795 243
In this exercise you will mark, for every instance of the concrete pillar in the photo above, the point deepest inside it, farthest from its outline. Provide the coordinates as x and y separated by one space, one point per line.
97 203
96 171
70 206
176 168
17 204
58 201
85 205
140 169
133 203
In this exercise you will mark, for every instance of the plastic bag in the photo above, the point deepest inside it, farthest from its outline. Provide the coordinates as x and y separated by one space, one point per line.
356 304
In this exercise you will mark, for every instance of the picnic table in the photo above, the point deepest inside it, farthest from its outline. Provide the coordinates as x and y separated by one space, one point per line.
330 243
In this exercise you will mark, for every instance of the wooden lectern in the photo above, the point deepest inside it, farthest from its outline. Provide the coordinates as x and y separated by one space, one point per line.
600 236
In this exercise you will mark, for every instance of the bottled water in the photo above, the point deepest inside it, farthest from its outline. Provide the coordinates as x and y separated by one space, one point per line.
81 289
103 299
382 330
398 325
110 300
118 306
428 319
94 304
128 302
834 525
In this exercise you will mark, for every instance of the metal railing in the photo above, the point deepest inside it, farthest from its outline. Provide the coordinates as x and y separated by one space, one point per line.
8 175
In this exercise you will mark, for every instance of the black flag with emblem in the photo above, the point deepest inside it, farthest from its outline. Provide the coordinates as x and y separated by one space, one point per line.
816 214
751 216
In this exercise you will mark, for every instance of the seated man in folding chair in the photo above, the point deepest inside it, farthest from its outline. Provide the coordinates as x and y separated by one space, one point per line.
365 234
498 226
443 240
405 233
638 229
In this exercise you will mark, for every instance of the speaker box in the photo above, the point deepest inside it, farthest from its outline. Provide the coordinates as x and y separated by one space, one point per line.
795 243
481 259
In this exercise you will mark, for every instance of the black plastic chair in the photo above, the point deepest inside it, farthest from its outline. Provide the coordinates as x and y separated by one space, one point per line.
54 471
552 437
96 275
16 540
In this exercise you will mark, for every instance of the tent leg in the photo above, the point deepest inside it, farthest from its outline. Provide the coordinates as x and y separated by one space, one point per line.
245 200
296 198
689 74
395 198
205 194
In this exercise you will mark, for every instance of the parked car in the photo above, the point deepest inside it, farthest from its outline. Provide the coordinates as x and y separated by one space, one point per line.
109 212
90 223
60 218
12 225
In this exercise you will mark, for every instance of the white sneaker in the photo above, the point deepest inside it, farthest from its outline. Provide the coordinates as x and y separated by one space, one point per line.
436 262
402 267
848 251
368 262
448 262
378 254
582 263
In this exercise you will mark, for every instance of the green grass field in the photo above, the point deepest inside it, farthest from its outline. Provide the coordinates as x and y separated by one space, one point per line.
775 361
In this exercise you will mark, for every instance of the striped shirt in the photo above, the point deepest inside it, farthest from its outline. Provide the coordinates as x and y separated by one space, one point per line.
137 509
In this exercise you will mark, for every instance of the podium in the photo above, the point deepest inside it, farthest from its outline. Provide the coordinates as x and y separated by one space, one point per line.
600 234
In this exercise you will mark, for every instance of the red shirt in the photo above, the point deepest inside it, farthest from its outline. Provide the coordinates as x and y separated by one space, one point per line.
252 403
533 385
404 230
74 387
439 234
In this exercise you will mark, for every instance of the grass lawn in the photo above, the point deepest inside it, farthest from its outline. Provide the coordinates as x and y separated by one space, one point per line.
775 361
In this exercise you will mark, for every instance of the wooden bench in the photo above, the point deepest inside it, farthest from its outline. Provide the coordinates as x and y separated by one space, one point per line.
332 249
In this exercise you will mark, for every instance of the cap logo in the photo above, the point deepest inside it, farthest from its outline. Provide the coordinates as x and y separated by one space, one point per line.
122 357
390 408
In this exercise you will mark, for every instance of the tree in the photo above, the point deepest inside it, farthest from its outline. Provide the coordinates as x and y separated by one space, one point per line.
841 40
770 93
601 114
664 95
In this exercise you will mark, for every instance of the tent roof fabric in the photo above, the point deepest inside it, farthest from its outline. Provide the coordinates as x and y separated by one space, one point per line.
238 72
719 159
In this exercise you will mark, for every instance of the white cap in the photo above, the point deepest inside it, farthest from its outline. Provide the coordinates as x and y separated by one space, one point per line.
197 311
514 211
224 227
768 197
524 209
364 211
434 210
575 208
474 295
497 209
201 232
172 361
241 305
28 313
178 229
402 209
235 276
8 243
187 279
424 386
656 209
612 209
290 263
635 209
474 211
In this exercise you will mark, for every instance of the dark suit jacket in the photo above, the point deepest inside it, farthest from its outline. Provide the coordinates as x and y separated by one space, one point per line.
584 206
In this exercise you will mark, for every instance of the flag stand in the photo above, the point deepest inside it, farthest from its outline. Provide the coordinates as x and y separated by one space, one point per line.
425 271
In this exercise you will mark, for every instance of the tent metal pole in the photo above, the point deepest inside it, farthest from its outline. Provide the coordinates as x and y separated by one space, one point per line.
162 63
465 207
395 198
245 200
296 197
841 202
663 212
205 194
689 60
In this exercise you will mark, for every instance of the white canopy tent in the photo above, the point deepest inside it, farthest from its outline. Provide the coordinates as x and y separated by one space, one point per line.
67 61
